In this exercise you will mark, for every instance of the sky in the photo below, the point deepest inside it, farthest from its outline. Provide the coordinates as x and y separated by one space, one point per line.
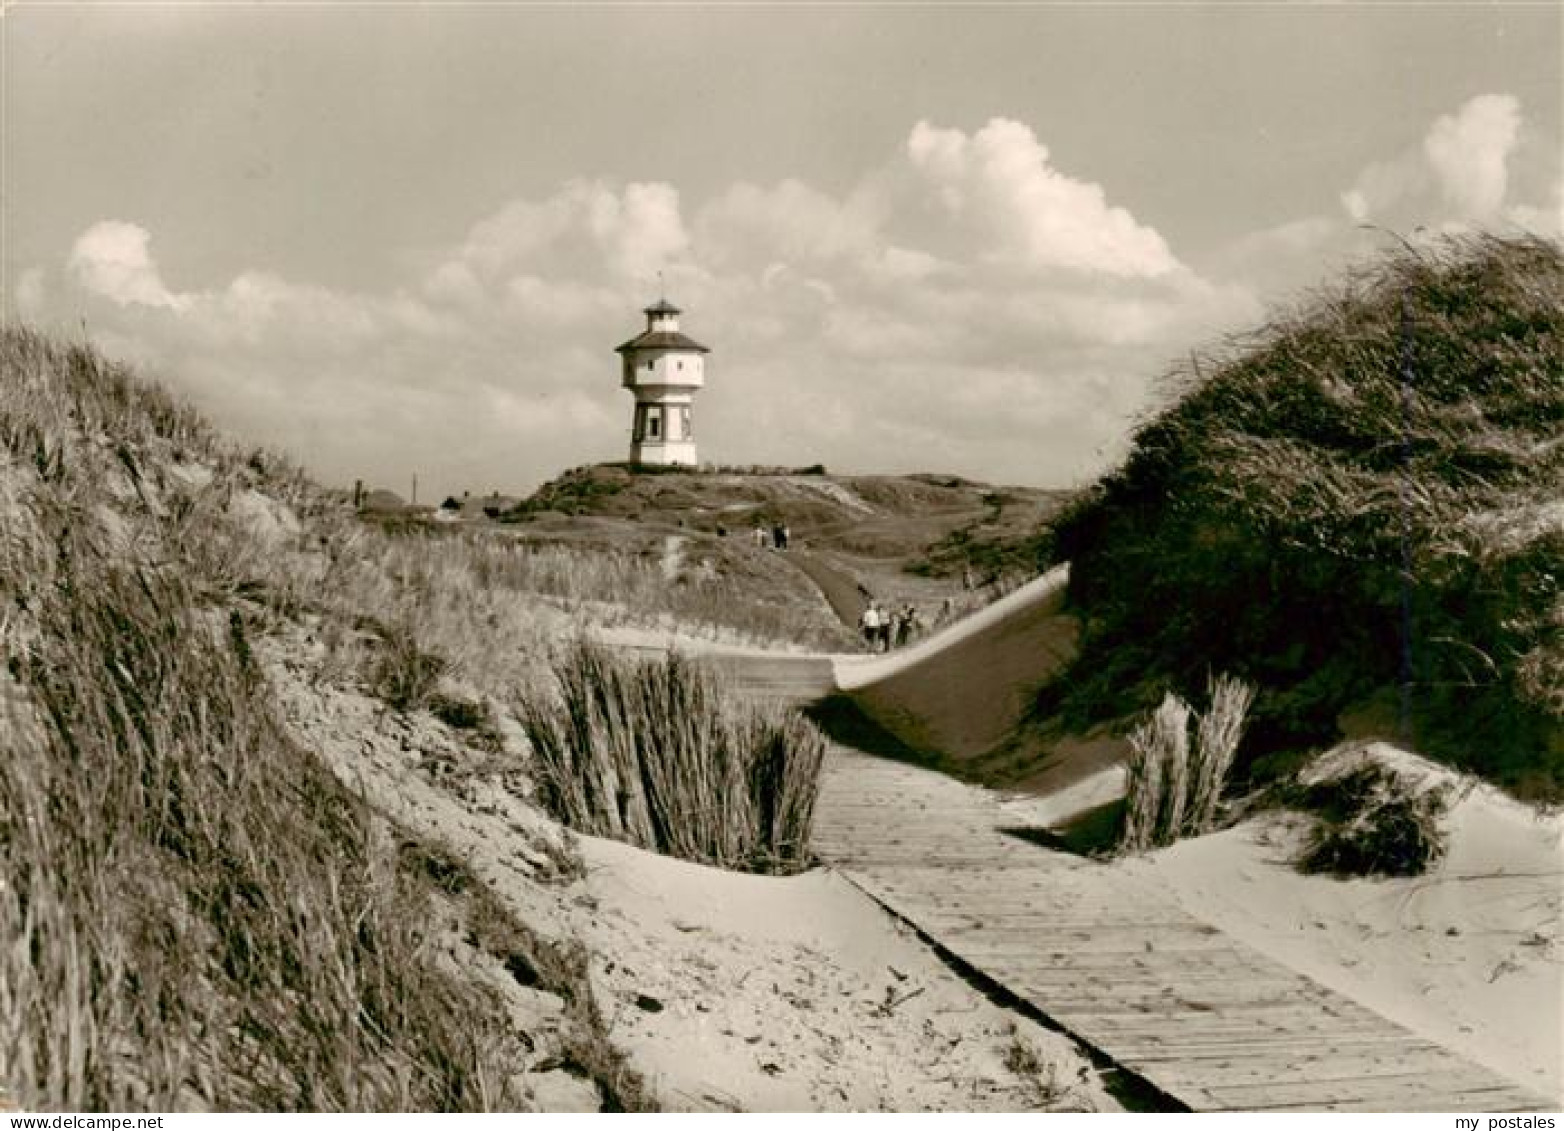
391 239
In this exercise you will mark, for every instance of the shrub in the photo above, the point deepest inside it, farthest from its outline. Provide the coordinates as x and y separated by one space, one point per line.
471 715
655 753
1370 822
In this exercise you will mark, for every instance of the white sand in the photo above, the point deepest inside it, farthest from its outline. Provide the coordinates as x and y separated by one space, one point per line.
798 994
1469 955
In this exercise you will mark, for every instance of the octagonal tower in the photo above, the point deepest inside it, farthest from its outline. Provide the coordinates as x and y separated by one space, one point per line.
663 368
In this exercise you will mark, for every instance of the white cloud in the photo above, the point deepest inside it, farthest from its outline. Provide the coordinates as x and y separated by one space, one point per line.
789 222
1469 151
642 230
632 232
111 259
1459 175
1000 183
1545 219
1475 167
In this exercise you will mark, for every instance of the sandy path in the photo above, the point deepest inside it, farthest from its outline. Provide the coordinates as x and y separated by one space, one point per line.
840 591
961 697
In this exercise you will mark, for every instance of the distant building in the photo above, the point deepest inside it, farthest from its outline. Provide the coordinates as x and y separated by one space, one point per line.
491 505
663 368
474 507
381 501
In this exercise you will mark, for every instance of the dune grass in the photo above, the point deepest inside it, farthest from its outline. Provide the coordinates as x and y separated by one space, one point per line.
654 752
1359 498
1173 784
196 913
1157 770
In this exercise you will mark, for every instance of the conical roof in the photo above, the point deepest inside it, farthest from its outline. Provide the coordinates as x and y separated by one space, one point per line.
662 339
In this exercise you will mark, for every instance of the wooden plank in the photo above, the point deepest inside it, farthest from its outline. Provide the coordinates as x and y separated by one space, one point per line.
1024 876
1432 1064
1124 944
1174 997
1390 1093
1262 1048
1052 898
1144 1027
1051 975
968 841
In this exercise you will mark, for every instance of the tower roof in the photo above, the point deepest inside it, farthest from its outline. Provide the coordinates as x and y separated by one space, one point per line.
662 340
662 306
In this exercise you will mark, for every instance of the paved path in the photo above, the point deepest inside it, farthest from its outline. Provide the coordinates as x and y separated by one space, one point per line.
1207 1021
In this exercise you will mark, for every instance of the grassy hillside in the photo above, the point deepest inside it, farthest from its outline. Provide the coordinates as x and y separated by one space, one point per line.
876 516
1357 507
197 913
940 542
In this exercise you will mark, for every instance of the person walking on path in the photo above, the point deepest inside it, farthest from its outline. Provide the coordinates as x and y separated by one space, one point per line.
869 625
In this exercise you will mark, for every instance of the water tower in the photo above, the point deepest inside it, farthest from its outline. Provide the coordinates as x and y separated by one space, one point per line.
663 368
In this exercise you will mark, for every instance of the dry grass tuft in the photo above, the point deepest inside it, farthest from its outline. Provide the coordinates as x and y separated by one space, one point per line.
1158 770
1173 788
655 753
1216 746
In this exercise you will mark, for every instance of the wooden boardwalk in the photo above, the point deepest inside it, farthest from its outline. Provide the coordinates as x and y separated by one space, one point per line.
1207 1021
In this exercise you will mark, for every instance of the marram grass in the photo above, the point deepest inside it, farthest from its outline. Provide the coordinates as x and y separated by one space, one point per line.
1174 785
657 753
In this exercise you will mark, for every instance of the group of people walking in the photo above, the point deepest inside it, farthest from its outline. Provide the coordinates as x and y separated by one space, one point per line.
884 629
775 538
